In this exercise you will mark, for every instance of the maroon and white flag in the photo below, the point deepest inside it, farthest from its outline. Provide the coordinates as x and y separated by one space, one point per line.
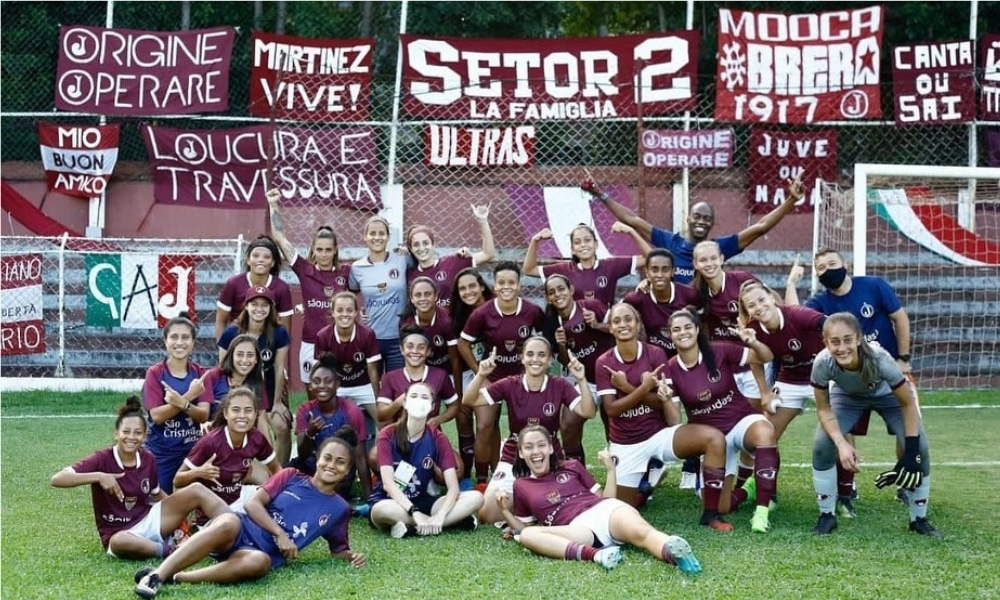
22 327
549 79
78 159
310 79
677 149
777 156
989 102
451 146
135 72
230 168
934 83
799 68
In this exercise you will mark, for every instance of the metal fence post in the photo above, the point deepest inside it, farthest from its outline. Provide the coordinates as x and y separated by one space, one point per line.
61 363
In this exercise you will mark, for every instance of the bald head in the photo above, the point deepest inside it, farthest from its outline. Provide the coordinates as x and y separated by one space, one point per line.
701 217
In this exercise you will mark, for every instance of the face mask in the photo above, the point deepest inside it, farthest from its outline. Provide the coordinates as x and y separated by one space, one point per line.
418 408
833 278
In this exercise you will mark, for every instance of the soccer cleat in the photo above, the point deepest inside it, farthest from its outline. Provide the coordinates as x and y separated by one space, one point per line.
148 585
143 572
845 507
400 530
361 511
714 520
750 485
469 523
688 481
922 526
609 557
481 487
682 555
465 485
759 522
826 524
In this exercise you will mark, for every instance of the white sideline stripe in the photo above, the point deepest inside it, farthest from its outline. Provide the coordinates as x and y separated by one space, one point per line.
880 465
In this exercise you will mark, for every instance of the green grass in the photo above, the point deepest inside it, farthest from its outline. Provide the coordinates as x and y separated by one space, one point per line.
50 547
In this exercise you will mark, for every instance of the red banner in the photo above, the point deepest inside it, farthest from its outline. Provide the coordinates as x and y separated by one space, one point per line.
777 156
78 160
134 72
673 149
22 326
229 168
175 287
799 68
934 83
989 103
448 146
310 79
560 79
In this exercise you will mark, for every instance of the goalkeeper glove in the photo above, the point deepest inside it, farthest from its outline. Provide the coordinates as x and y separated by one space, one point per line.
910 471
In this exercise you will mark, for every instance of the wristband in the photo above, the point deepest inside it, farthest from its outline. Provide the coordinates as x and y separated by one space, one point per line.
604 198
904 357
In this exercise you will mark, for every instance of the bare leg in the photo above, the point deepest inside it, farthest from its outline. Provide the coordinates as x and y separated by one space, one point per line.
241 565
131 546
281 428
486 417
553 541
176 507
571 432
467 504
217 536
782 419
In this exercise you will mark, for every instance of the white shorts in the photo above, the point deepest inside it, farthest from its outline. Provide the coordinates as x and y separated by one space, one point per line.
593 390
306 351
467 377
598 520
631 460
747 385
148 528
794 395
502 480
734 441
359 394
246 491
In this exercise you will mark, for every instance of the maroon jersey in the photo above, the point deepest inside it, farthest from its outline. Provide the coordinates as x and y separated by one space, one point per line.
353 354
640 422
395 383
795 343
597 283
526 407
441 333
506 333
138 485
724 307
712 398
318 287
234 293
443 272
584 341
655 315
556 498
234 463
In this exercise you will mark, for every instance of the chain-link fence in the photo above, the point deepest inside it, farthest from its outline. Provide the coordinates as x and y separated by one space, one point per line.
438 164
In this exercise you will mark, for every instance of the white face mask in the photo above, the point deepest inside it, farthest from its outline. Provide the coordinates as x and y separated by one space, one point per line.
418 408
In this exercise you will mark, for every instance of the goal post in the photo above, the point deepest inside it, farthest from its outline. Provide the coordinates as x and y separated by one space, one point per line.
933 233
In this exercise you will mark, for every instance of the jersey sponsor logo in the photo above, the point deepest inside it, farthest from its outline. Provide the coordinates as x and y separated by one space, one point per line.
562 477
300 530
110 518
428 462
717 405
549 409
636 411
510 345
328 291
554 497
794 345
585 352
704 395
589 295
129 502
867 310
602 282
531 422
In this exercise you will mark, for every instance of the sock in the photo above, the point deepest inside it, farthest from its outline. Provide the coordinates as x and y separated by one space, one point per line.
467 443
766 473
690 465
825 484
710 493
845 481
917 499
743 473
666 555
575 551
482 471
738 497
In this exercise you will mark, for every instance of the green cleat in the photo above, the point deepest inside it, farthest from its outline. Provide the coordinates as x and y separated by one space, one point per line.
759 522
751 487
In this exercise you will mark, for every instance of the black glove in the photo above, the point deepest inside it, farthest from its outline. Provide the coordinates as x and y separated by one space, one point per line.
909 467
886 478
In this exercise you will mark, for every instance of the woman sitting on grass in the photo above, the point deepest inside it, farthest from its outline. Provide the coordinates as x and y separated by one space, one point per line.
135 518
558 510
410 455
285 515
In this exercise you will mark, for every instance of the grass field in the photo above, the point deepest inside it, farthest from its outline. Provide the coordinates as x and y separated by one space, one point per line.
50 547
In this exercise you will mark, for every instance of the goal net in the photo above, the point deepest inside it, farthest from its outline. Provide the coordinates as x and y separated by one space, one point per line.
934 234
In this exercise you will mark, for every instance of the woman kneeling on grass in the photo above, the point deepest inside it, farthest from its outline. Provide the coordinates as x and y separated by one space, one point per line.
411 454
285 515
580 523
135 518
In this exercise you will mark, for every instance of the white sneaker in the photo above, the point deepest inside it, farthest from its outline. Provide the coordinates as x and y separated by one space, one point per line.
689 481
399 530
609 557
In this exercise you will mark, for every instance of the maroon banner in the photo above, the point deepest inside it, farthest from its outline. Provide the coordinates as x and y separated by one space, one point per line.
448 146
149 73
229 168
777 156
989 103
530 80
78 160
799 68
310 79
703 149
934 83
22 326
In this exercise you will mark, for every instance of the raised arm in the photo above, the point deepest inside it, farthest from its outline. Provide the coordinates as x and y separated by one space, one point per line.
530 266
794 276
644 246
901 325
766 223
278 225
642 226
489 251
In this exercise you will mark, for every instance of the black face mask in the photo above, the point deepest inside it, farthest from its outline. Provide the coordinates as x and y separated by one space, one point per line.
833 278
